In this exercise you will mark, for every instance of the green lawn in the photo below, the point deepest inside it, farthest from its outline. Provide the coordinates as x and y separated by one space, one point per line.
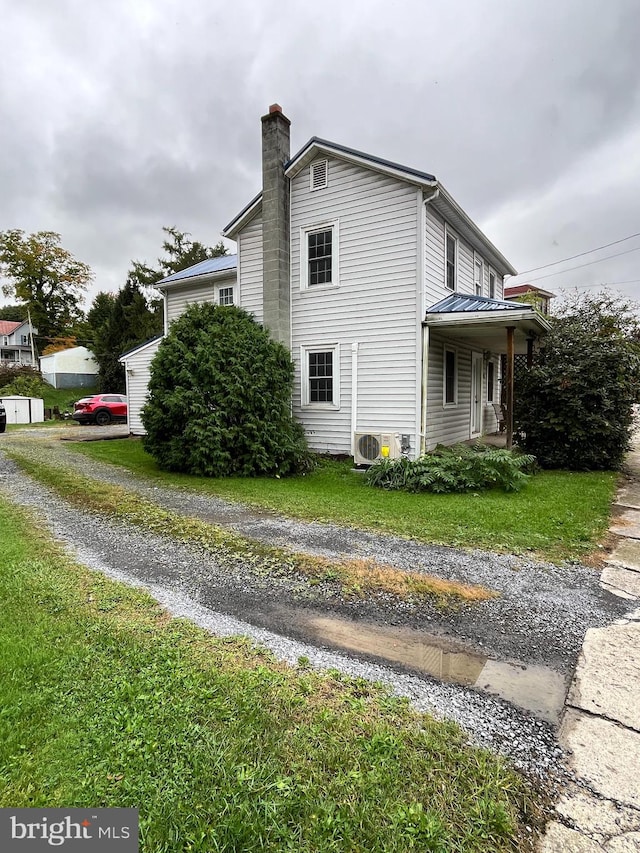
558 514
106 702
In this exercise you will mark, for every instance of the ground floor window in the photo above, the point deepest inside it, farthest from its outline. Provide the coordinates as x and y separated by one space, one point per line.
320 377
225 296
450 377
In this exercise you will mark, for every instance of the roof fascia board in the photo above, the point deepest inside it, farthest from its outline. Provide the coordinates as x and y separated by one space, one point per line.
200 277
502 262
476 318
243 218
322 147
140 348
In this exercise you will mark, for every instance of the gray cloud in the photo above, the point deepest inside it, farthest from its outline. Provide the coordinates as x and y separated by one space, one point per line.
117 118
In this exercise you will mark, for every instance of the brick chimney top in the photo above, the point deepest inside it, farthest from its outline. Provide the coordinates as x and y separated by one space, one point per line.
275 108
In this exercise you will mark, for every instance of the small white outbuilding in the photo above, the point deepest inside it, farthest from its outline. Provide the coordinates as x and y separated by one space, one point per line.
70 368
24 410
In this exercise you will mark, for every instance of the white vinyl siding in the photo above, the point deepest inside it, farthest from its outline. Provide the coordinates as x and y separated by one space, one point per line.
179 297
137 374
250 268
447 424
375 305
435 284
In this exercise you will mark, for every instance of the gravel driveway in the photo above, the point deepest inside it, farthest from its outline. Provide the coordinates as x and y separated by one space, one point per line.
538 621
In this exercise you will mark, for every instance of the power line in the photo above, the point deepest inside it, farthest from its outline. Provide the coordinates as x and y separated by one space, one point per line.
599 284
581 266
580 255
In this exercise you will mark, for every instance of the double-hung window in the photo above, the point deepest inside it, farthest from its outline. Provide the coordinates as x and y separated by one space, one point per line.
321 376
225 296
451 260
478 275
492 284
319 246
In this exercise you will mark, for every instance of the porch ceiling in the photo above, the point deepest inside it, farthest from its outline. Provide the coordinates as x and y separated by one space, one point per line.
488 332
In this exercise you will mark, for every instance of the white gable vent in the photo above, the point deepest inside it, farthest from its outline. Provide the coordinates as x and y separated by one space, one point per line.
319 173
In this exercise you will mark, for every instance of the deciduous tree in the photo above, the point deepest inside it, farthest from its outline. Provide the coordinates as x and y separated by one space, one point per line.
45 277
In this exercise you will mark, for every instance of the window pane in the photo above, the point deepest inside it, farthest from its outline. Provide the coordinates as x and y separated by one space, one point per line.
320 252
450 377
225 296
451 262
321 377
492 285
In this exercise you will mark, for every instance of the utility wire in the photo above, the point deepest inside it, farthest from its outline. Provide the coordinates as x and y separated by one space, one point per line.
580 255
580 266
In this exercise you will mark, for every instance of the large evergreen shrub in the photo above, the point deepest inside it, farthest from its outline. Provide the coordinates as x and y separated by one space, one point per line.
574 407
220 398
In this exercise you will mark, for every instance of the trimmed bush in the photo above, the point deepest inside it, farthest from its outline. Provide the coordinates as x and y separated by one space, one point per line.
220 399
461 468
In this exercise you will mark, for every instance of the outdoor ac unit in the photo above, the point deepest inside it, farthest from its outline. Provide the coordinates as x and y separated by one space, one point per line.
369 447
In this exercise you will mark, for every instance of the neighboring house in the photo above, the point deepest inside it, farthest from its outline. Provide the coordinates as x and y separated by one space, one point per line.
75 367
531 295
16 342
387 294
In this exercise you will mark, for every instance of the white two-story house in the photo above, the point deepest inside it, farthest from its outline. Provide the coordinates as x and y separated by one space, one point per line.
387 294
16 343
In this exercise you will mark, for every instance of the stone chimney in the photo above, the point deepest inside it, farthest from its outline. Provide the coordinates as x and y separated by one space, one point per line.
276 298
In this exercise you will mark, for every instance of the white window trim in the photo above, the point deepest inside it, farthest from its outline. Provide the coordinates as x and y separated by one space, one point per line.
492 272
305 401
326 175
478 262
445 349
226 287
449 233
334 226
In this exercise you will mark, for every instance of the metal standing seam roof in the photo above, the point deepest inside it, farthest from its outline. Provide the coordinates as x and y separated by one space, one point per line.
463 302
211 265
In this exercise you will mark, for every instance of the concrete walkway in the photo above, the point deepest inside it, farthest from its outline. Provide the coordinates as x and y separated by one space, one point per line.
601 723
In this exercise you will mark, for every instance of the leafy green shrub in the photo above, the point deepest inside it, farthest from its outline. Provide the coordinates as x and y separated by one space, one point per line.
8 375
461 468
25 385
574 406
220 399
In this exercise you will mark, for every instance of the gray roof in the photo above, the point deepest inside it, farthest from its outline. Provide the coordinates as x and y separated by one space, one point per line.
226 262
389 164
461 302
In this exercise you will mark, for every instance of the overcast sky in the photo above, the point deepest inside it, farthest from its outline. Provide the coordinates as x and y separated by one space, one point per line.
120 116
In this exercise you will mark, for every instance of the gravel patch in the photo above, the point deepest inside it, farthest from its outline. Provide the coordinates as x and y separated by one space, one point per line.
541 616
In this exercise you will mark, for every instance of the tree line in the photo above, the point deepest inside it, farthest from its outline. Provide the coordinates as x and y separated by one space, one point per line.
47 283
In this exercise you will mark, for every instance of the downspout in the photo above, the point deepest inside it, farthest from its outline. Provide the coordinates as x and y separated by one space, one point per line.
425 377
425 341
354 395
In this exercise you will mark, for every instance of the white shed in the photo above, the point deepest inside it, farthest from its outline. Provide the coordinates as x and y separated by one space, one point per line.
70 368
24 410
137 363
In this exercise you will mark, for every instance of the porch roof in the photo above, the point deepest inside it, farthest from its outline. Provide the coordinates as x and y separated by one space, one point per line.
484 321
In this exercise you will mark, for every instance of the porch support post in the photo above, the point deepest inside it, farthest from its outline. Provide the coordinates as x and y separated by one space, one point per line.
509 388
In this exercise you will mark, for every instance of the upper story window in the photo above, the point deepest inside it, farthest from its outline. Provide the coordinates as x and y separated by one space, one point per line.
25 339
319 256
5 340
492 285
478 275
225 296
319 173
451 260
